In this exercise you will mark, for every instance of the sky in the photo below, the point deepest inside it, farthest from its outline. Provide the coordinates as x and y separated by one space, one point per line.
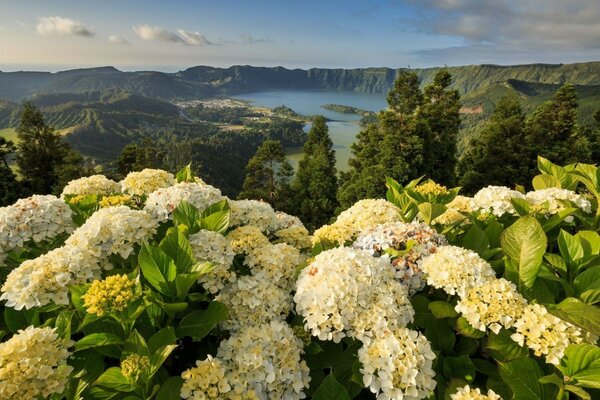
176 34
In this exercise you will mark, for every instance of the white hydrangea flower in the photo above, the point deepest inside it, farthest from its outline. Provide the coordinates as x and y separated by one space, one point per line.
46 279
245 239
254 299
207 380
456 211
496 200
253 212
398 365
36 218
552 196
162 202
267 359
33 364
95 184
285 221
362 215
495 304
295 235
456 270
215 248
467 393
113 230
147 181
346 292
398 236
276 262
546 334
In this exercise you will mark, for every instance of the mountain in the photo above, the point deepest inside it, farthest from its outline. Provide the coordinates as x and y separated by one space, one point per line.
204 81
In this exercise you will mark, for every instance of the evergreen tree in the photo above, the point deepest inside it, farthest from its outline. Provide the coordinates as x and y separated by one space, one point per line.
136 157
552 131
315 185
10 188
268 174
498 155
593 136
441 111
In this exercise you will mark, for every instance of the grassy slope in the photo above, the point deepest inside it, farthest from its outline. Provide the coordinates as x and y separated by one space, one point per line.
9 134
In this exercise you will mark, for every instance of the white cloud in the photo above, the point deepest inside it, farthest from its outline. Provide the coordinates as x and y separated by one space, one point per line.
249 39
117 39
62 26
155 33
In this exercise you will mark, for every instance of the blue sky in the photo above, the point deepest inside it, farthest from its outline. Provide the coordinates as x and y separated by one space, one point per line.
172 35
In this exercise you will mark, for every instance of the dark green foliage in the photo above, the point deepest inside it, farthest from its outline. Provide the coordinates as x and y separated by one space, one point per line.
315 185
268 175
496 156
45 160
10 188
136 157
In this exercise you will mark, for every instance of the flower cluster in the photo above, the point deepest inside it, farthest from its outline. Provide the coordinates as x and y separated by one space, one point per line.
207 380
46 279
362 215
286 220
146 181
275 262
496 200
456 211
110 295
398 365
36 218
346 292
494 304
549 200
545 334
215 248
467 393
266 359
295 235
117 200
95 184
162 202
407 244
113 230
134 366
33 364
254 213
456 270
431 188
246 239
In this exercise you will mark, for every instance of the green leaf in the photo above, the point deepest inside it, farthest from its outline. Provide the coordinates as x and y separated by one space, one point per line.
186 214
442 309
97 340
503 348
579 392
522 376
569 247
185 174
159 356
525 243
331 389
183 283
170 389
217 221
578 313
459 367
177 246
113 379
581 365
521 206
430 211
63 323
587 285
135 343
162 338
158 268
20 319
199 323
464 328
476 240
545 181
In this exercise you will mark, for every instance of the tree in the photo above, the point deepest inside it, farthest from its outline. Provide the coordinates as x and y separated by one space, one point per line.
552 131
10 188
136 157
441 111
268 175
315 184
498 155
41 153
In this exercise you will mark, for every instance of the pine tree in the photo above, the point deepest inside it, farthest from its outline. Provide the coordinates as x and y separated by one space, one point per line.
268 174
10 188
41 153
498 155
441 111
315 184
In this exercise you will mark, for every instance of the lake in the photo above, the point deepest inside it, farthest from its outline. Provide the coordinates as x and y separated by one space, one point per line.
343 128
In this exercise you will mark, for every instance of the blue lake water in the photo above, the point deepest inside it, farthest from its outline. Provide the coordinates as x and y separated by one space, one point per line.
343 128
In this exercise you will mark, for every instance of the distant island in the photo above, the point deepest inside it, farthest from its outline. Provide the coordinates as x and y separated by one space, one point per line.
347 109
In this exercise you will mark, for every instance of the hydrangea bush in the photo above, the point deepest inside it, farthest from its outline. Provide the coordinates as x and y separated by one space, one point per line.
159 287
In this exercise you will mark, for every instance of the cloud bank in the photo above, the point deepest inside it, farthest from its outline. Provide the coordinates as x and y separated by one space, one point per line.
157 34
61 26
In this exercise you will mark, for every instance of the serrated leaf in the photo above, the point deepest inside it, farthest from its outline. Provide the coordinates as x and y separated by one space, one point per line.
331 389
170 389
158 268
199 323
177 246
430 211
113 379
442 309
578 313
464 328
522 376
587 285
581 365
97 340
569 247
503 348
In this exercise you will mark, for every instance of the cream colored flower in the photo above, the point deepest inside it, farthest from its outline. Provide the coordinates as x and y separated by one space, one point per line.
549 199
207 380
147 181
110 295
33 364
135 367
495 304
162 202
295 235
254 213
95 184
398 365
119 200
246 239
215 248
496 200
430 187
275 262
456 270
467 393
